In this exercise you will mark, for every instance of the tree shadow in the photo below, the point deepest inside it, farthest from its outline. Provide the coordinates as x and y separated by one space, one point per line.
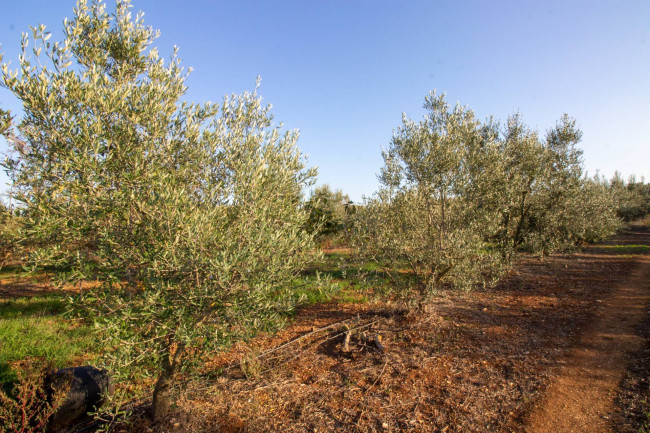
36 307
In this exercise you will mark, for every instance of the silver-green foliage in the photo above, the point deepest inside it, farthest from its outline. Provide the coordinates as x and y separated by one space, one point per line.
545 201
565 207
427 216
329 212
597 216
187 214
632 197
459 198
9 234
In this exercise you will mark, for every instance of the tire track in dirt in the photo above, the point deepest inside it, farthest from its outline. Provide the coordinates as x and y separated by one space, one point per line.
581 396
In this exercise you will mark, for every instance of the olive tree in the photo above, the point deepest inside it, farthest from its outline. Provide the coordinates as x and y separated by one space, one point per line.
329 212
543 199
459 198
596 213
567 208
632 197
9 228
187 215
559 183
427 216
517 173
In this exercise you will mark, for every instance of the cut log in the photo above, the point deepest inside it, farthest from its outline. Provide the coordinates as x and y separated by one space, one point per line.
377 340
373 340
346 340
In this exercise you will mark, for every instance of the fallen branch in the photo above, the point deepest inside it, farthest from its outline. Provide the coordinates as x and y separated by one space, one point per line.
309 334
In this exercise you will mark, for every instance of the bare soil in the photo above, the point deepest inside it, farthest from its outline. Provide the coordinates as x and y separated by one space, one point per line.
561 345
556 347
580 397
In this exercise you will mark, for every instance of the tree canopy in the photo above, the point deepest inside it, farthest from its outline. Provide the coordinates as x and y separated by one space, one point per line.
459 197
188 215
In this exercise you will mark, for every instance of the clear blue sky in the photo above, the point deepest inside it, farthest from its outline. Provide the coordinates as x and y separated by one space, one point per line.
343 71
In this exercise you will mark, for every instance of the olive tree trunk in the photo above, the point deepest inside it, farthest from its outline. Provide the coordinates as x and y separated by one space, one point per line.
161 393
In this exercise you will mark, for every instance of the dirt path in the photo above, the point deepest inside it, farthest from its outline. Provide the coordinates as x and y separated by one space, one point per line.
580 397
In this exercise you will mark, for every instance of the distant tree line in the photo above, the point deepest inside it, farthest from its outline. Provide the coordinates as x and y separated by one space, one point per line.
632 197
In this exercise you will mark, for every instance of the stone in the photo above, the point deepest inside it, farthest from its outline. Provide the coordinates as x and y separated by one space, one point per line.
85 390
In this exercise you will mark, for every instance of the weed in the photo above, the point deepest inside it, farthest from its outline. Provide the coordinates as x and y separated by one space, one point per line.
26 408
645 426
251 365
315 289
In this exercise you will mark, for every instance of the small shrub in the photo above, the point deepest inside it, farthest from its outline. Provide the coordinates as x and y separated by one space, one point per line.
25 408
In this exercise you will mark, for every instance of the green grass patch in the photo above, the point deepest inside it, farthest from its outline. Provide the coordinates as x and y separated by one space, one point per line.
35 327
352 295
622 249
38 306
354 280
15 271
314 293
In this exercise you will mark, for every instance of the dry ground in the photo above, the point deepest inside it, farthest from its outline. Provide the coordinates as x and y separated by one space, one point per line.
558 346
545 351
